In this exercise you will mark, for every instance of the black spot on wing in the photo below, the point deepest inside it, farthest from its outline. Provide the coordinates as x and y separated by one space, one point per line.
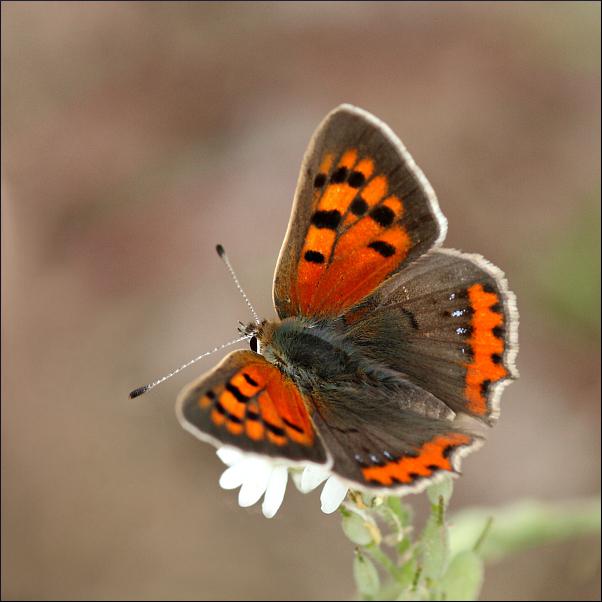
319 180
236 392
356 179
448 451
326 219
359 206
292 425
339 176
382 248
499 332
250 380
251 415
276 430
383 215
314 257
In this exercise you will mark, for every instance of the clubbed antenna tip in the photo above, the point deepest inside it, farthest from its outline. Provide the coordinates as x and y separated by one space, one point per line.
222 253
137 392
140 390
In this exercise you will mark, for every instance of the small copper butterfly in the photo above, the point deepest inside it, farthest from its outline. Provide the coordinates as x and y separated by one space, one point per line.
383 338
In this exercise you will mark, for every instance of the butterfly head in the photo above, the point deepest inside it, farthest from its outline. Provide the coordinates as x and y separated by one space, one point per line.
294 345
256 334
262 340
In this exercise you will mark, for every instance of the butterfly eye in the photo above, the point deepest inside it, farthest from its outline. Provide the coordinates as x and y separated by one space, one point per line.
254 344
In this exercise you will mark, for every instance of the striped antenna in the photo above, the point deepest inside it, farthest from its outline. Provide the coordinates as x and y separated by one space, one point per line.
140 390
222 253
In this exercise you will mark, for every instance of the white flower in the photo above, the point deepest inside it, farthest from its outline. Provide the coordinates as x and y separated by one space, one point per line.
258 477
255 477
334 490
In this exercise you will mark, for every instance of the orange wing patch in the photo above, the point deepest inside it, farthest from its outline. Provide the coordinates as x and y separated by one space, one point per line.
487 341
429 458
262 404
354 240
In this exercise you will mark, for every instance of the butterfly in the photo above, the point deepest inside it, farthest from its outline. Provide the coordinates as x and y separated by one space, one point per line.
384 341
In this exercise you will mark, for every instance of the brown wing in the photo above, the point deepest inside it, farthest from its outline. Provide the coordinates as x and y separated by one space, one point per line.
362 211
247 402
399 448
449 324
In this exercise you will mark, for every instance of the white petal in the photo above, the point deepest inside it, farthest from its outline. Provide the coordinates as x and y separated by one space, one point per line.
275 492
312 476
229 455
332 495
296 475
255 482
234 476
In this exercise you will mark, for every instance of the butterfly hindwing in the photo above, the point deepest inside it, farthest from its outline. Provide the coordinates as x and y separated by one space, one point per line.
398 448
362 211
246 402
447 322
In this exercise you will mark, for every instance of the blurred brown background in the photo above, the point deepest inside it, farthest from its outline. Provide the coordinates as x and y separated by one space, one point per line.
137 135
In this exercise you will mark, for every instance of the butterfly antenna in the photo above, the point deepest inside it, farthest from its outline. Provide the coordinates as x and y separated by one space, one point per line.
222 253
145 388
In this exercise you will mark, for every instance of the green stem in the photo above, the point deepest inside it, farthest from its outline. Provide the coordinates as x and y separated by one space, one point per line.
382 558
483 535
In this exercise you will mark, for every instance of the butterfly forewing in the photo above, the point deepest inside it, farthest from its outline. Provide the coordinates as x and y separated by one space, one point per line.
362 211
248 403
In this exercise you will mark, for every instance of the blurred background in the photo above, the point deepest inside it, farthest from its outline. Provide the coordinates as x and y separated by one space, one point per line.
136 136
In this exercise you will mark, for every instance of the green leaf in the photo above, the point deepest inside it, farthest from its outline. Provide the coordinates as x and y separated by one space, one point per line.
403 511
407 574
357 529
396 534
404 546
464 577
443 488
366 575
410 579
434 544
